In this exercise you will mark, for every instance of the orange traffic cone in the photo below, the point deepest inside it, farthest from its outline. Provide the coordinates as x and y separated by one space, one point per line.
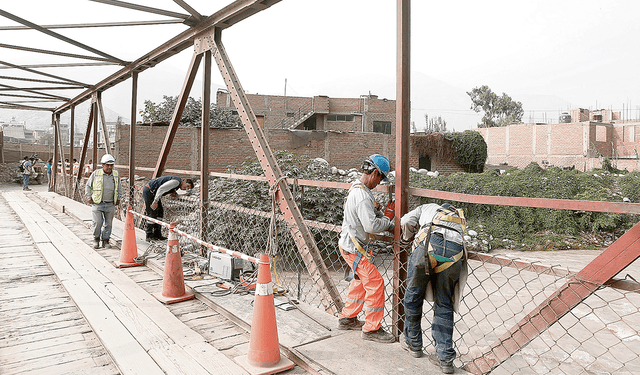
173 281
264 349
129 250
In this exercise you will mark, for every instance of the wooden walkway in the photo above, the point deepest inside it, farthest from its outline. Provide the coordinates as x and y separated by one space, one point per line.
124 321
41 330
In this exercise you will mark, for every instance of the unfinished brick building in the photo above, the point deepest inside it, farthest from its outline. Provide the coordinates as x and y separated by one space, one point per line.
579 143
342 131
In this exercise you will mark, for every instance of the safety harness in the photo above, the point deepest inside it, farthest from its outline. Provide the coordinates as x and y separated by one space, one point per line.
361 251
451 215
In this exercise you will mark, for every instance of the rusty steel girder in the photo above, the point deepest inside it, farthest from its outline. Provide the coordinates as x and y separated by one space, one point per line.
302 236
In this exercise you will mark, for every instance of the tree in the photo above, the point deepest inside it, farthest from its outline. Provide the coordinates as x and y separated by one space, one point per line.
498 110
191 116
435 124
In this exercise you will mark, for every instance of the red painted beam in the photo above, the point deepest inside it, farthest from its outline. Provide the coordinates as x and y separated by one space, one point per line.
612 261
560 204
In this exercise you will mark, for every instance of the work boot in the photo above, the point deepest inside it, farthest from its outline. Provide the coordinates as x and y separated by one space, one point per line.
350 323
379 335
415 353
106 244
96 243
446 367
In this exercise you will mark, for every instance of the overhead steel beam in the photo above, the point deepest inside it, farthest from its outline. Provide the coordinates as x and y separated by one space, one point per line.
35 80
44 51
177 114
102 24
143 8
33 91
194 13
8 105
59 36
43 73
225 17
403 118
28 96
300 232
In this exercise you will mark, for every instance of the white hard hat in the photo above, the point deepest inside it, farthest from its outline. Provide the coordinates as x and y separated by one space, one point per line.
107 159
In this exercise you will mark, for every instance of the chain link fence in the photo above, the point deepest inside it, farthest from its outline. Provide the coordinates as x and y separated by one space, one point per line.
598 336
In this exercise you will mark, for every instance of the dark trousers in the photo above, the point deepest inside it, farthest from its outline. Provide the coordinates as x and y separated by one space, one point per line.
443 284
153 230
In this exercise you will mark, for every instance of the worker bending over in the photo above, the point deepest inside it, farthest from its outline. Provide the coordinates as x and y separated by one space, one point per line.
152 192
437 272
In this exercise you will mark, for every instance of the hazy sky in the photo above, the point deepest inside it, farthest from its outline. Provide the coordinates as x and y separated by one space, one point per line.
551 55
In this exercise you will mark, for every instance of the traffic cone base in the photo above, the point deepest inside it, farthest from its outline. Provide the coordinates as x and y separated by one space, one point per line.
263 356
170 300
173 289
124 265
284 365
129 248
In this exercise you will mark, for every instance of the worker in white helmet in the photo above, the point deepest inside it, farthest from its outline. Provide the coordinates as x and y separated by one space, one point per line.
103 192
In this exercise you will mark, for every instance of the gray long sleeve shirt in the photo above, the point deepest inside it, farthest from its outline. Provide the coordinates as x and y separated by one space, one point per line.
360 218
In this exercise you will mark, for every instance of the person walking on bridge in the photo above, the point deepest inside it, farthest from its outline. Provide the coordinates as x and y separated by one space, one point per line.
103 191
152 192
366 290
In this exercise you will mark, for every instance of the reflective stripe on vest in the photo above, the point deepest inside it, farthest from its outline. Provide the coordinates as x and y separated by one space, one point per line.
98 181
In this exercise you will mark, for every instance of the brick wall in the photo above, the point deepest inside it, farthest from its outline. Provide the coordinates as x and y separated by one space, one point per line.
560 144
231 147
15 152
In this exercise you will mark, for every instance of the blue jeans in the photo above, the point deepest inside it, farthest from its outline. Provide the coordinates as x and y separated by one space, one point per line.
443 284
102 214
25 180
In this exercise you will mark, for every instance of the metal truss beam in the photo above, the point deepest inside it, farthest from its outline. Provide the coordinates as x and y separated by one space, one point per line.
86 25
8 105
31 90
194 13
43 73
302 236
143 8
44 51
177 114
225 17
58 36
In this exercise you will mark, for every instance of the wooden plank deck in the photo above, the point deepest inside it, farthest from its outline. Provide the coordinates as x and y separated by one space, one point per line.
140 333
41 329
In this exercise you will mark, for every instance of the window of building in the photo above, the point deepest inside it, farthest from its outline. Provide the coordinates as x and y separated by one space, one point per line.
424 162
290 114
383 127
350 118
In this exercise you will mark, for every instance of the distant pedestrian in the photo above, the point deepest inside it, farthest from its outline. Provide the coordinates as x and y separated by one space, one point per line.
76 166
152 192
49 164
88 168
103 190
27 168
